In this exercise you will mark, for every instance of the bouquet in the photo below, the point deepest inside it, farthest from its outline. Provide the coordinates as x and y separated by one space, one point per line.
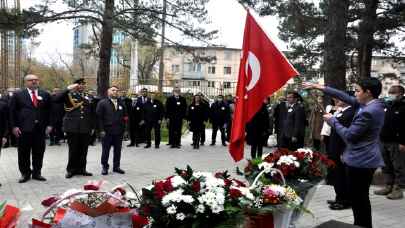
194 199
302 169
91 207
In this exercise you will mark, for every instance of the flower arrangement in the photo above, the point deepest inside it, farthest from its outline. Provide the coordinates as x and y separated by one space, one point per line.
92 207
302 168
8 215
194 199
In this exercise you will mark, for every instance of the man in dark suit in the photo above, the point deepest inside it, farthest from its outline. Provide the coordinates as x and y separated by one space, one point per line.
337 175
3 123
293 128
219 117
58 111
280 111
176 109
79 124
153 115
30 120
137 118
112 116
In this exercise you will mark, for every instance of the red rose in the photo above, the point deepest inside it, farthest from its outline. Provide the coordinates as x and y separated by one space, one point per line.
159 189
219 174
121 190
234 193
145 210
49 201
239 183
167 186
196 186
139 221
93 185
227 182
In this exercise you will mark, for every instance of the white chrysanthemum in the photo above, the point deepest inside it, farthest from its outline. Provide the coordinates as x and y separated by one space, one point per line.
216 209
288 160
174 196
202 174
200 208
180 216
149 187
177 181
266 166
171 210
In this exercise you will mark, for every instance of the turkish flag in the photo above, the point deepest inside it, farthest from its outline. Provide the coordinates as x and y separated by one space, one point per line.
263 70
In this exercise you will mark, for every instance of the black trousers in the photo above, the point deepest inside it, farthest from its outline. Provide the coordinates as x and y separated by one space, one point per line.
215 128
56 134
394 169
359 186
175 128
156 130
111 140
287 142
78 144
202 137
31 143
339 180
256 150
197 135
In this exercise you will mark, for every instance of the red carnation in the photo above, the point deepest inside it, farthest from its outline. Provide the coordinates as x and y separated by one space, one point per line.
159 189
49 201
196 186
234 193
145 210
93 185
239 183
167 186
139 221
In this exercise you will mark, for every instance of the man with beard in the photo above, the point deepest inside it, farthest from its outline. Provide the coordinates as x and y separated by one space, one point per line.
112 117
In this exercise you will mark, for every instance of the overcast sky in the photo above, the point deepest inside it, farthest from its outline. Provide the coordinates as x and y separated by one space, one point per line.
227 16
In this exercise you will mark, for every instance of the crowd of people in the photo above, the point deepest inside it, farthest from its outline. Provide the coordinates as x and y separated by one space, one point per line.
359 131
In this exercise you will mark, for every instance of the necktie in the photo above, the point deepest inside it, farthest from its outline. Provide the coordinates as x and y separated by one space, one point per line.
115 103
34 99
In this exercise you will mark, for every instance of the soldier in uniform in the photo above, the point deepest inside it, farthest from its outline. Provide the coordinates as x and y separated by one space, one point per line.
79 124
176 109
153 115
219 116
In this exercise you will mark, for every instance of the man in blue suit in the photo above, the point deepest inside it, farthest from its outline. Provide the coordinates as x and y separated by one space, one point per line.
362 155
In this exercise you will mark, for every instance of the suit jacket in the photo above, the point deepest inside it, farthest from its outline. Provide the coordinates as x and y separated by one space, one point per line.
394 115
280 111
81 119
153 111
362 137
4 112
176 109
220 113
336 144
294 122
197 114
110 119
138 112
24 115
258 126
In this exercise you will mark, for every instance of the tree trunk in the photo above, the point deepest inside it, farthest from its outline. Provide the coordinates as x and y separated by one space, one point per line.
335 60
366 38
103 72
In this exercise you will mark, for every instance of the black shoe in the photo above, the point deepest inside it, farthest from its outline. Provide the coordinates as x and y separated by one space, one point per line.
137 145
39 178
330 202
212 144
202 144
224 144
157 146
87 174
24 179
168 144
118 170
130 145
104 171
339 206
172 146
147 146
69 175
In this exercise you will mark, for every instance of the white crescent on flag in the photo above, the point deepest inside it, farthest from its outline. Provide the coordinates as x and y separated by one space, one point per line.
254 64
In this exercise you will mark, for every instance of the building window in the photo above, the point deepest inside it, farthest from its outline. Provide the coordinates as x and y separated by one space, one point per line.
196 83
194 67
227 85
175 68
227 70
76 38
211 70
211 84
227 55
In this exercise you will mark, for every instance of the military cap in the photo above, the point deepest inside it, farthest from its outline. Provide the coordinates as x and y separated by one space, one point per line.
80 81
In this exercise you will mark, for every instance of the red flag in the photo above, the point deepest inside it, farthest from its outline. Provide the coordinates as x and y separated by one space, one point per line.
263 70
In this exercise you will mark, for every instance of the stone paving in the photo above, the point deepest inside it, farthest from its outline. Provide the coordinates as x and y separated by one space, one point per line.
144 165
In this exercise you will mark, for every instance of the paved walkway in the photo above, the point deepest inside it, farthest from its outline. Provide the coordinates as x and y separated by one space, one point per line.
144 165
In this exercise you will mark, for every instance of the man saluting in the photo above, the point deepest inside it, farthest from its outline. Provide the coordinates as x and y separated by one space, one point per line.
78 123
30 121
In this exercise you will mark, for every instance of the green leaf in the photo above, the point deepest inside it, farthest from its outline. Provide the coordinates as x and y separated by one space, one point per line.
2 208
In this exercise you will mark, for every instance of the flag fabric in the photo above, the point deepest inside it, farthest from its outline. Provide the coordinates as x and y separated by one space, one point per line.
263 70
